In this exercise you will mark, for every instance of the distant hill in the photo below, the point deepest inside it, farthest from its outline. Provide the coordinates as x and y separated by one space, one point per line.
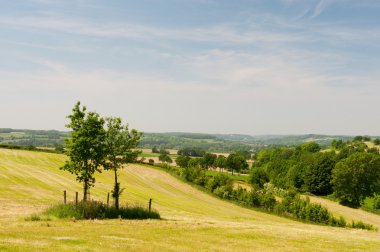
323 140
25 137
174 140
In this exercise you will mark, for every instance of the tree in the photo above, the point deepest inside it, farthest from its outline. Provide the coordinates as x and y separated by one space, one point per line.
165 158
163 151
85 147
337 144
236 162
376 141
356 177
245 153
208 160
220 162
183 161
192 152
119 144
155 150
311 147
259 177
318 173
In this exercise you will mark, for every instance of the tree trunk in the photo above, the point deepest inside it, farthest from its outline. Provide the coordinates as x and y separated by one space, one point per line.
116 190
85 189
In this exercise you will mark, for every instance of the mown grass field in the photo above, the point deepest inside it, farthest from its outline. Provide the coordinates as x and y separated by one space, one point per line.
192 220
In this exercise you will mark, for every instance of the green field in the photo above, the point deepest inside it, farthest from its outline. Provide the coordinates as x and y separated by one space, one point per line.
192 220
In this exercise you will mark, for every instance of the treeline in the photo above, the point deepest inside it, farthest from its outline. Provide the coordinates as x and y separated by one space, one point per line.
234 162
46 138
205 142
30 148
349 171
291 204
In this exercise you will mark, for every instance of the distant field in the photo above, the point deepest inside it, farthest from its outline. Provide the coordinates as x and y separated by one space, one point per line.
192 220
372 145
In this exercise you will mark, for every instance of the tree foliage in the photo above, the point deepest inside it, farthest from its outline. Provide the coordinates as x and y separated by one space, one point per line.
356 177
85 147
236 162
318 173
119 145
165 158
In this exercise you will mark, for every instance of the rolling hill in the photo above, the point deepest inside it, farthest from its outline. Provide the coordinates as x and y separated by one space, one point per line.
192 220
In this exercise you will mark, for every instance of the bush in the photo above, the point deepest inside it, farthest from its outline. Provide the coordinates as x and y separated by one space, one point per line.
96 210
376 202
268 201
218 181
151 161
361 225
224 192
341 222
254 199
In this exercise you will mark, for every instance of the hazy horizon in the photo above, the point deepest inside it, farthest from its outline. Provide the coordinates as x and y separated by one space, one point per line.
286 67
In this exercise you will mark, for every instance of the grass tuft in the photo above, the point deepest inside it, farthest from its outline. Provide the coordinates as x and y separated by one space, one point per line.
94 210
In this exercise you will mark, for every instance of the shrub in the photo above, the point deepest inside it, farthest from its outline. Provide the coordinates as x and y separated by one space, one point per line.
361 225
218 181
376 202
341 222
267 201
254 199
151 161
241 195
224 192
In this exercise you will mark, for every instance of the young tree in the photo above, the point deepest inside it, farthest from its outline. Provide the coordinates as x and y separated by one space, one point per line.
85 147
119 144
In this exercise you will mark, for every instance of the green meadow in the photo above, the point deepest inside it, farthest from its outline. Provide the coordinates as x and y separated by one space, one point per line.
191 219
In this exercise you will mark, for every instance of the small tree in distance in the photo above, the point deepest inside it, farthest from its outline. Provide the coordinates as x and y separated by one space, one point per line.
165 158
119 144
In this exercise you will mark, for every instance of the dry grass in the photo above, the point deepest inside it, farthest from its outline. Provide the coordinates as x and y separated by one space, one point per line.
192 221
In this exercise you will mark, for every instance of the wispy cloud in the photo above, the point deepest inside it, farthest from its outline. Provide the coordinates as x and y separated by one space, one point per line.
226 33
279 63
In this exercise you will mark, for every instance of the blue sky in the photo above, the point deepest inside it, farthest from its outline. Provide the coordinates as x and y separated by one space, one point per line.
254 67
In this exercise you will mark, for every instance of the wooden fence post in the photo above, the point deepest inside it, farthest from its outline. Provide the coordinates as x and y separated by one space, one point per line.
76 198
64 196
108 199
150 205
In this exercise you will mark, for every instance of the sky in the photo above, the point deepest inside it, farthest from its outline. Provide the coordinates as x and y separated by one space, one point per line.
212 66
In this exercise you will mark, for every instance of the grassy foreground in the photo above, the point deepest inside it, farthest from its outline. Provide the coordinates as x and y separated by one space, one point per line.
192 220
